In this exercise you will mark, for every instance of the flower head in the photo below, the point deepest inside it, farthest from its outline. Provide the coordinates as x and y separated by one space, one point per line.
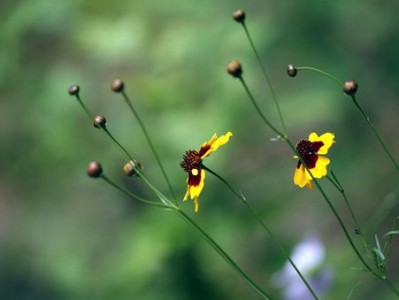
311 152
309 257
192 164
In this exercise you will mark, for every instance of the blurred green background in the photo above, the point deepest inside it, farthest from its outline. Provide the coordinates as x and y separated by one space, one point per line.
64 235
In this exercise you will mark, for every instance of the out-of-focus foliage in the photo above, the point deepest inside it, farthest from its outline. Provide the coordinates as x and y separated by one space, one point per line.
66 236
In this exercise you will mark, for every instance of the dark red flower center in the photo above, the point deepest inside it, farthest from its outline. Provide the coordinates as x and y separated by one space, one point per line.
307 151
191 160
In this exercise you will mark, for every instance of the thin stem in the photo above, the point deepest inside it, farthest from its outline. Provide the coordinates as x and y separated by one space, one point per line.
367 118
321 72
130 194
339 187
337 216
269 83
223 254
147 136
168 205
374 130
265 227
251 97
91 117
116 143
391 286
104 128
341 223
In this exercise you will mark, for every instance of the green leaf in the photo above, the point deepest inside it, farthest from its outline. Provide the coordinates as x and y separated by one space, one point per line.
392 232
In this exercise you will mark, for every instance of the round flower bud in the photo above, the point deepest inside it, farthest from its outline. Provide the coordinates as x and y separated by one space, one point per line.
99 121
292 70
350 87
130 167
94 169
73 90
117 86
239 15
234 68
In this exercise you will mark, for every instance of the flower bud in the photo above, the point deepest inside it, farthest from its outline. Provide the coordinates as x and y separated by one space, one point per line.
94 169
292 70
73 90
350 87
130 167
117 86
234 68
239 15
99 121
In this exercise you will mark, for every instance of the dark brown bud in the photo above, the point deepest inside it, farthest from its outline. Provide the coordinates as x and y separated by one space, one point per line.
117 86
94 169
99 121
131 167
234 68
239 15
350 87
292 70
73 90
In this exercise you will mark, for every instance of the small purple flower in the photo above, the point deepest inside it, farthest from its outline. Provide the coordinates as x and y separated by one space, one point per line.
308 256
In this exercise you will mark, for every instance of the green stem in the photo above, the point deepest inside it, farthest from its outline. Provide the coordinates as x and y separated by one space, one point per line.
91 117
147 136
367 118
325 197
109 181
339 187
168 205
251 97
265 227
104 128
269 83
391 286
222 253
117 144
321 72
337 216
374 130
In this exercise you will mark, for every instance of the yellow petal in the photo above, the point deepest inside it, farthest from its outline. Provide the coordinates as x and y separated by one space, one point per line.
193 191
300 179
320 169
327 139
214 143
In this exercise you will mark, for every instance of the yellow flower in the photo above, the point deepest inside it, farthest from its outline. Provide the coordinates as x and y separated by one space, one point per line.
192 164
312 153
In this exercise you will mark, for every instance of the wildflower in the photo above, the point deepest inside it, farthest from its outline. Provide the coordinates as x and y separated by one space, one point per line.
312 153
309 257
192 164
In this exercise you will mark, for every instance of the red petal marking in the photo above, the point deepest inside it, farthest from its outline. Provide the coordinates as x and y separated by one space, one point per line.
194 180
203 149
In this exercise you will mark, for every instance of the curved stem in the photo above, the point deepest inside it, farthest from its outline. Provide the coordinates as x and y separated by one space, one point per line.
265 227
202 233
321 72
336 214
147 136
391 286
340 189
269 83
117 144
222 253
374 130
251 97
130 194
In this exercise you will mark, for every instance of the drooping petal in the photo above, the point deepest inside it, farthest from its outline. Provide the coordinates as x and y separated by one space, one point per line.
300 179
213 144
326 138
195 184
